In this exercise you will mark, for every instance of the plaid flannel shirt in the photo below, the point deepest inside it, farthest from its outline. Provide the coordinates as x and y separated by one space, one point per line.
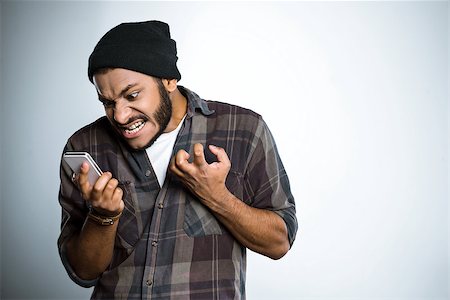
168 245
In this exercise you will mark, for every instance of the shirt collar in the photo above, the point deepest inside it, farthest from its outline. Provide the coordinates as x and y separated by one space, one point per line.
195 103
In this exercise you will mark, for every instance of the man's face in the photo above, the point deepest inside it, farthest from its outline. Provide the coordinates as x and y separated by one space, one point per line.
137 105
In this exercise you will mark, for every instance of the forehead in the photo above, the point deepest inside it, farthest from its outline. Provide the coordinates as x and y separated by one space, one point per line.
113 80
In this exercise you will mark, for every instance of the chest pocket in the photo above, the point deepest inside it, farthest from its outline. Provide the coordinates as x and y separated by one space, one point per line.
199 220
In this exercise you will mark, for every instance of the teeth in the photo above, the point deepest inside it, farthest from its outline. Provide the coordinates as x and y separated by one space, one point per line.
135 127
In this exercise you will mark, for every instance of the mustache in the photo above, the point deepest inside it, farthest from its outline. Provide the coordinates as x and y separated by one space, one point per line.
131 120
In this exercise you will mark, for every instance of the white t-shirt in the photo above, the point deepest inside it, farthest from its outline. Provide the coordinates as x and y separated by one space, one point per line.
160 152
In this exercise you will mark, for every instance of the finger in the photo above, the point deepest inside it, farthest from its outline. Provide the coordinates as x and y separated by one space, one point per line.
83 176
174 169
110 188
111 203
221 155
118 194
121 206
117 197
182 163
100 185
83 182
199 155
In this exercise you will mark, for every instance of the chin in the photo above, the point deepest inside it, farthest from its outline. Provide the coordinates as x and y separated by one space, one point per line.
135 147
142 145
138 146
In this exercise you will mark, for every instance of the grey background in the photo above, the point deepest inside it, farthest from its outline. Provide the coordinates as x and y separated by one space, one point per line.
356 94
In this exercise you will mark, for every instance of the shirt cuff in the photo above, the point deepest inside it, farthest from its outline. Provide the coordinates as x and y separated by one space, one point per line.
71 273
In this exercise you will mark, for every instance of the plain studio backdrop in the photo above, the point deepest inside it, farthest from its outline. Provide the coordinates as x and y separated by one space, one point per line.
355 93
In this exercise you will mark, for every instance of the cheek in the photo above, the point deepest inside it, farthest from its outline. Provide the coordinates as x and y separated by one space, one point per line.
151 102
109 114
150 107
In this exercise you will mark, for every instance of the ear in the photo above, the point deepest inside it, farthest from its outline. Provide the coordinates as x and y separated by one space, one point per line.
170 84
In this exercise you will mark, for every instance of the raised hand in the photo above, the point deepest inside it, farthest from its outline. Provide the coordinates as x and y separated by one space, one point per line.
206 181
105 195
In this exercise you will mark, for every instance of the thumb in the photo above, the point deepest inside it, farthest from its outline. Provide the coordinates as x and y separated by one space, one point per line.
83 180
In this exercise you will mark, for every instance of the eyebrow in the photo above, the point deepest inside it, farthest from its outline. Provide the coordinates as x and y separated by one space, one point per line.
100 97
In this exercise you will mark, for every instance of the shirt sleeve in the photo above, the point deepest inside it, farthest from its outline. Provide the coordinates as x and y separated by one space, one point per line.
74 211
266 181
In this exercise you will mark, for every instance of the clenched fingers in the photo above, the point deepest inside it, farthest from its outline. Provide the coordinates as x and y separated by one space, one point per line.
221 155
199 155
180 164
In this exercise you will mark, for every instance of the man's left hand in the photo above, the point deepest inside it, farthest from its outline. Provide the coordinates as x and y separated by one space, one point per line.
206 181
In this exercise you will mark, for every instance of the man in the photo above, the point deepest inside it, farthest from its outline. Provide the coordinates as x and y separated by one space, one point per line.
188 184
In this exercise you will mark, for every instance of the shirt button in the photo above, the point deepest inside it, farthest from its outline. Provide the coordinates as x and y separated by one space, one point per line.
160 205
147 173
149 282
154 243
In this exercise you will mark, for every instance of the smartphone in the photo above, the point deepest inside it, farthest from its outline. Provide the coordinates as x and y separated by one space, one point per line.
76 159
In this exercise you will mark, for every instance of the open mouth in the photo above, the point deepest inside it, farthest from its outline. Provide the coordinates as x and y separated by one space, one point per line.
134 128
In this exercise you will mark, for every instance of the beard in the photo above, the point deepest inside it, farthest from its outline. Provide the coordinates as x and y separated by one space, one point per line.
163 114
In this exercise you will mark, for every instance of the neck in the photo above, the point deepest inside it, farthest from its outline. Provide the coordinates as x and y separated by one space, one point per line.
179 109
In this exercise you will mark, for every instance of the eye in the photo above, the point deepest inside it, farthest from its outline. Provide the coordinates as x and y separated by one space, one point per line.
132 96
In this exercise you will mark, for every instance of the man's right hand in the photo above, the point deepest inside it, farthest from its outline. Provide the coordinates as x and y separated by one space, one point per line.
105 196
91 250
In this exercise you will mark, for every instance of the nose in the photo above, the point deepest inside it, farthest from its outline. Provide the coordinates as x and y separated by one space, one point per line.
122 112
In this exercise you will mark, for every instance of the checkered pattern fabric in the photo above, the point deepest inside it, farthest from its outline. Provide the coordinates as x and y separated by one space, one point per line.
168 245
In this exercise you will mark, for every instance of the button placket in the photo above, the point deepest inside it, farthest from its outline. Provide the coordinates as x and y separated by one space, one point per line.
151 275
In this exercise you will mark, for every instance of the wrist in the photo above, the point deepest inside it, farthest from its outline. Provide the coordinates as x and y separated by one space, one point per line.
102 219
221 201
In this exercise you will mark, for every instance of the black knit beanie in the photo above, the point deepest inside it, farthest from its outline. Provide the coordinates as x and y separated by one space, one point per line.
144 47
